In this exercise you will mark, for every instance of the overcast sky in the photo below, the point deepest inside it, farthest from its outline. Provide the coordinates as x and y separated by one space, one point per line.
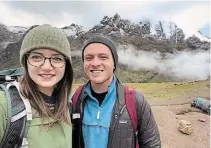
188 15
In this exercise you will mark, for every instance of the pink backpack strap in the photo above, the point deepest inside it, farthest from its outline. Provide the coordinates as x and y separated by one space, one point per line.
130 104
75 96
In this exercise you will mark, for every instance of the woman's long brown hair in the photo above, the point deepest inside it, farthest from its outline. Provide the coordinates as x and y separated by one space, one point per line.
29 89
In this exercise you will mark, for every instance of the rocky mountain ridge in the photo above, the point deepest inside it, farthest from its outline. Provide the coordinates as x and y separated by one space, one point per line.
142 36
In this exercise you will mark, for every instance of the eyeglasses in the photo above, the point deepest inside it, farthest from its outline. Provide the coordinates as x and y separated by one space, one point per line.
37 60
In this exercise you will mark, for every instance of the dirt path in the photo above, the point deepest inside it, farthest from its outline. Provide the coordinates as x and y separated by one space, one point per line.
167 115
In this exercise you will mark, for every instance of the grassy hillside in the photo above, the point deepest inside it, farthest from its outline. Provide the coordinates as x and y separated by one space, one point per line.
168 90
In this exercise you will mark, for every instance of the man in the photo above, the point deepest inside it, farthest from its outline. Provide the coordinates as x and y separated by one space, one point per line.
99 119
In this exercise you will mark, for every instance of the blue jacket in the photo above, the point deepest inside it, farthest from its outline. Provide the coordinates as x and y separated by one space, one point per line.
96 120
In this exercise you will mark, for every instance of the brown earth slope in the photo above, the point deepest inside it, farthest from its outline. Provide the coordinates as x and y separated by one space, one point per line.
168 114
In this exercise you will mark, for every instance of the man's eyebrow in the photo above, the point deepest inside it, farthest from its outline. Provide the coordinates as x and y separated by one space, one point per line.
103 53
88 55
99 54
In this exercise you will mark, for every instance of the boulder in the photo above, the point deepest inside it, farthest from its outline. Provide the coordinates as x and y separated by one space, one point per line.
185 127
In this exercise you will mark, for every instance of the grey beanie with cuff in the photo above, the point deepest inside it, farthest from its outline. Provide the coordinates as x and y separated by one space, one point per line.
106 41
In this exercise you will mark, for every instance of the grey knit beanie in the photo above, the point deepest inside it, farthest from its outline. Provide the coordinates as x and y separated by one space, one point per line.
106 41
48 37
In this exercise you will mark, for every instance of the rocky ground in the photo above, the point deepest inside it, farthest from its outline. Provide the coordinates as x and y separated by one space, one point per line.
167 115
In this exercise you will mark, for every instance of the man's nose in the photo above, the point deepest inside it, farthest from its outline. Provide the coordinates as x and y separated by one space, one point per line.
96 62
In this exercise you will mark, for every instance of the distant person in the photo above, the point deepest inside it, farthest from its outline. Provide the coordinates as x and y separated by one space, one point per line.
46 86
100 117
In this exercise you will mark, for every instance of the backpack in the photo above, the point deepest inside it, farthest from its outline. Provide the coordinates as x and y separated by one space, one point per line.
203 104
129 101
18 114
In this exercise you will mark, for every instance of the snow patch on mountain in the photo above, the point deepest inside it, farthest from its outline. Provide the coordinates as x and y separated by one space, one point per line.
201 37
74 30
4 44
17 29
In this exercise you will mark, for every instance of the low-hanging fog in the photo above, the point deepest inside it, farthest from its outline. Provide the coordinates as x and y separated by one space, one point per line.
185 65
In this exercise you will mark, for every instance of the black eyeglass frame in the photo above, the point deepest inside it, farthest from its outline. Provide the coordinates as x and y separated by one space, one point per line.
49 58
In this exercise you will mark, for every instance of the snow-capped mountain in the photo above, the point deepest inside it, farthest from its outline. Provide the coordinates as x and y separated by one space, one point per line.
161 30
201 37
17 29
8 36
117 26
160 37
74 30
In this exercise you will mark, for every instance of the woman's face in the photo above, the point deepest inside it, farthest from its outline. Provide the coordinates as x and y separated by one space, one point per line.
46 68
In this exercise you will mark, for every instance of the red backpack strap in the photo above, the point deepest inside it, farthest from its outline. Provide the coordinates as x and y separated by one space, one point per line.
130 104
75 96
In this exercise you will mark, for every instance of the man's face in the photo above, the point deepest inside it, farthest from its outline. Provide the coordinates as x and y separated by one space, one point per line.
98 63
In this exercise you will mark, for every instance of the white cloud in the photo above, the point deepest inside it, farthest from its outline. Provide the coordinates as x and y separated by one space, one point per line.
14 18
17 17
192 18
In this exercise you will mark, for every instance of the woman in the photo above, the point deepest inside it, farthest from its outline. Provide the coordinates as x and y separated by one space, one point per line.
47 82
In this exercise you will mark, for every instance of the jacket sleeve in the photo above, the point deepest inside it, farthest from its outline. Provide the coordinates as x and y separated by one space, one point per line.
148 134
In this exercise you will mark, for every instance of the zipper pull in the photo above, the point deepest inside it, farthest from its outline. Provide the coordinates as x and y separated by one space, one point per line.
98 114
